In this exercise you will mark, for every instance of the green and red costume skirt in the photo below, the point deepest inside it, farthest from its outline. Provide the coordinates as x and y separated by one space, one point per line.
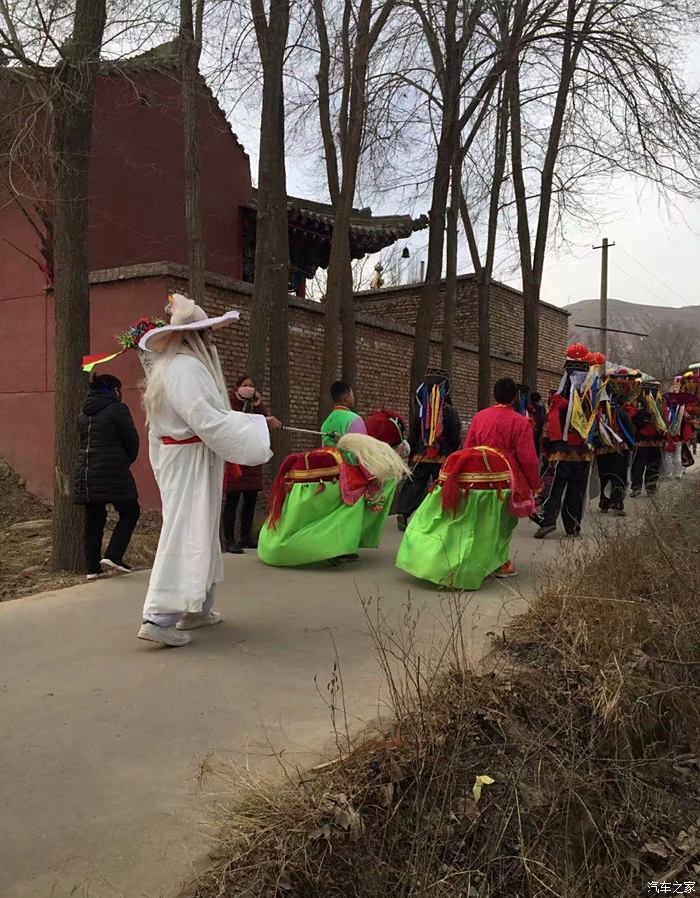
321 506
462 531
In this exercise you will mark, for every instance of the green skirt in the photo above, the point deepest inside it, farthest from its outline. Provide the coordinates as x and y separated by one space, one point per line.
458 551
316 526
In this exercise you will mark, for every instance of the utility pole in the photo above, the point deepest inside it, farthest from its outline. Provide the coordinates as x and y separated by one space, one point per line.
604 294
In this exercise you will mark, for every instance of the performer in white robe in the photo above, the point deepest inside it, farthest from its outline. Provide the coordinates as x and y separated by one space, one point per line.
192 432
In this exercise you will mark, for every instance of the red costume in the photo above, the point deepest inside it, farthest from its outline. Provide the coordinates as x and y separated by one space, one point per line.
501 427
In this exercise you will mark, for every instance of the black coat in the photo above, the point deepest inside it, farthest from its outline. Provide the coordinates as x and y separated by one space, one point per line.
451 439
109 445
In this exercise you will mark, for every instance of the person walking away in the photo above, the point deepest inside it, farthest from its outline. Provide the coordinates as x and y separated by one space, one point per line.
343 419
242 483
538 414
434 434
680 431
192 432
567 449
462 531
646 464
613 456
503 428
109 445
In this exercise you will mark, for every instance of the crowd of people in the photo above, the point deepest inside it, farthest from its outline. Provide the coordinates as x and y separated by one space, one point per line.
457 504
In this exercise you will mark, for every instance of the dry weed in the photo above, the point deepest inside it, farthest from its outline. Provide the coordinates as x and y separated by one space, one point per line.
586 725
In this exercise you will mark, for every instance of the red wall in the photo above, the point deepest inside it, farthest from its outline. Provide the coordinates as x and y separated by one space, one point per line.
137 215
137 177
27 414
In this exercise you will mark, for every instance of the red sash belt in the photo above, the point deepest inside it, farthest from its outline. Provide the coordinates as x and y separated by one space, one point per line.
171 441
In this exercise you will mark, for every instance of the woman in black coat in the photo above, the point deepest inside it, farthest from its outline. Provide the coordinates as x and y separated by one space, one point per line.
109 445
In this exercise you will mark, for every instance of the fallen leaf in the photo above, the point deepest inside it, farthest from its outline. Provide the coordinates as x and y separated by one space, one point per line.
658 849
386 794
323 833
479 783
284 881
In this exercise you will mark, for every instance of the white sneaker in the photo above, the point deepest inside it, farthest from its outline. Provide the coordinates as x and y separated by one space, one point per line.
99 576
120 567
194 621
162 635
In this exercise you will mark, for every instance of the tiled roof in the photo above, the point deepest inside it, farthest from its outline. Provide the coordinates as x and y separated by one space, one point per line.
162 58
368 232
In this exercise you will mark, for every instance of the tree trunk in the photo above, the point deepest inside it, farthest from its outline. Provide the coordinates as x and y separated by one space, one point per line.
279 324
433 270
339 307
449 305
331 326
347 326
190 50
448 146
73 90
271 285
500 150
531 316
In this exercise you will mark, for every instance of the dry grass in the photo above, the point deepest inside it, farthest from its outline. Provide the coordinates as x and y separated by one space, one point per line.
24 558
587 721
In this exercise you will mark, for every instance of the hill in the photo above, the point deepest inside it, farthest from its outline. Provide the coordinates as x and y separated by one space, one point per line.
630 316
672 341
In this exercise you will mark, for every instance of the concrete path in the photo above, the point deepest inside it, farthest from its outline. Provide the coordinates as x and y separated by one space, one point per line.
102 734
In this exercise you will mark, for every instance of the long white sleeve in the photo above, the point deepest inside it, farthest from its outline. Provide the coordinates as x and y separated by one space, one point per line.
154 447
234 436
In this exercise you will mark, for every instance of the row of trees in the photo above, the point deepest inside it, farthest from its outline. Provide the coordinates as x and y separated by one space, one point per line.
514 114
505 115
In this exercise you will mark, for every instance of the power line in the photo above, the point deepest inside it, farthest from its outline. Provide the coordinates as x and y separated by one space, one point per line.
643 286
655 276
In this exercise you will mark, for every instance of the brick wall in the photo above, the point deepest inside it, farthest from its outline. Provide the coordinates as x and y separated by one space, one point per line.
385 341
384 347
400 304
384 344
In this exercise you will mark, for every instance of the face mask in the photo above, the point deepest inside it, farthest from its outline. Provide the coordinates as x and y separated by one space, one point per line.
246 392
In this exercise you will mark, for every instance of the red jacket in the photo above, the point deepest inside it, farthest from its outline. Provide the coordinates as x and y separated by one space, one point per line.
243 477
501 427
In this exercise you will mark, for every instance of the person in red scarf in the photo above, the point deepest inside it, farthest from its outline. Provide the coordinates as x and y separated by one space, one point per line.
242 483
502 427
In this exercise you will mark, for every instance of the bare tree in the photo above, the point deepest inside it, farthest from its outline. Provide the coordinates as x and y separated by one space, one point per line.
484 269
467 70
343 131
59 57
190 52
73 95
270 310
667 350
449 304
599 91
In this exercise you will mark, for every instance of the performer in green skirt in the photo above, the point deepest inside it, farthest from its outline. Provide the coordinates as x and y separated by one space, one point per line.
462 531
324 508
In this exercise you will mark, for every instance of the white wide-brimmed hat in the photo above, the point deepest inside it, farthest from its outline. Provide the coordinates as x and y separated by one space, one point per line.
185 315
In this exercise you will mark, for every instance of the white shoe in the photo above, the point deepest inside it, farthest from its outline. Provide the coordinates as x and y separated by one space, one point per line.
99 576
194 621
120 567
162 635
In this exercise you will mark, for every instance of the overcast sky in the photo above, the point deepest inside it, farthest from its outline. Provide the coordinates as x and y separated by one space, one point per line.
656 259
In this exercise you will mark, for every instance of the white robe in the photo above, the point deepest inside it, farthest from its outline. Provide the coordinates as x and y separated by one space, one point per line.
190 479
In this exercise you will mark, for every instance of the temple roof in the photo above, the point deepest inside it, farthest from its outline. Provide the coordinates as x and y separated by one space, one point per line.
313 222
